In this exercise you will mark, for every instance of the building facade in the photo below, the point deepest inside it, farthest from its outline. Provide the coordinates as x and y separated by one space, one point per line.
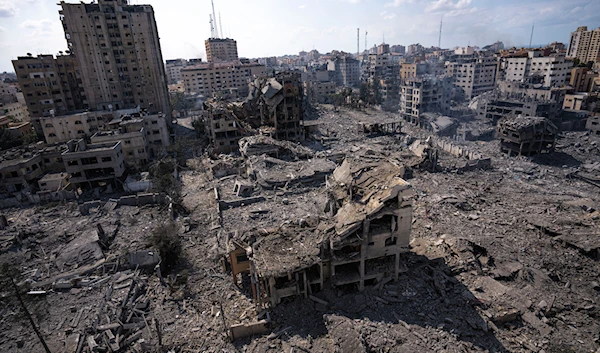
93 163
173 69
347 71
585 45
210 78
425 94
553 70
582 79
221 49
118 53
474 73
50 86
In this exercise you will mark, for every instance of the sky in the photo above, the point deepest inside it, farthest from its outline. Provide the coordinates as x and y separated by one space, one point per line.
277 27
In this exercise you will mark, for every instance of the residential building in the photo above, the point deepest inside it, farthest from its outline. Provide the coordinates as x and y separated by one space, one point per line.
90 164
346 69
67 127
173 70
383 49
414 49
157 134
412 70
424 94
582 79
474 73
553 70
15 110
398 49
134 143
118 54
7 92
522 135
581 101
19 170
51 86
319 91
585 45
210 78
221 49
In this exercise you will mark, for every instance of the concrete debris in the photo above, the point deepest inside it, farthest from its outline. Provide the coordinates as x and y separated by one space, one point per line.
363 235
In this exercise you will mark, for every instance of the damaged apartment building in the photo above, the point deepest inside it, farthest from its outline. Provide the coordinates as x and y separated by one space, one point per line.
274 107
525 136
358 244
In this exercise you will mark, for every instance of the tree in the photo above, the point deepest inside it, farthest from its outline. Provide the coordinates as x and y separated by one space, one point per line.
8 278
165 239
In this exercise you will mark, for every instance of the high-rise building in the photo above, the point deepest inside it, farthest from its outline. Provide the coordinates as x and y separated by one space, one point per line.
221 49
585 45
51 86
117 49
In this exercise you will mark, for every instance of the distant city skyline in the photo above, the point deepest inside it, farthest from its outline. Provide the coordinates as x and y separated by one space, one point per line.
275 27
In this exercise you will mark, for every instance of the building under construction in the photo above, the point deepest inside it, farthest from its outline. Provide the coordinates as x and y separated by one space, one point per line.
274 108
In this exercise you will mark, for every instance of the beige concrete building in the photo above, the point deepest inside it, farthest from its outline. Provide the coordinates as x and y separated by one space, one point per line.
210 78
424 94
118 54
221 49
15 110
582 79
89 164
474 74
553 70
173 69
585 45
51 86
54 182
412 70
7 92
68 127
135 145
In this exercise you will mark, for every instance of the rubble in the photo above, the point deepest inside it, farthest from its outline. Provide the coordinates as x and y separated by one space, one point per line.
277 252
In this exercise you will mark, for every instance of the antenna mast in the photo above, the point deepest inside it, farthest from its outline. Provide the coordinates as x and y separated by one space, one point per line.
357 42
212 27
214 17
221 25
531 38
440 39
366 33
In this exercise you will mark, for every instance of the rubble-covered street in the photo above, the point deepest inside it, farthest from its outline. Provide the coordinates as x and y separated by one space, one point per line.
501 259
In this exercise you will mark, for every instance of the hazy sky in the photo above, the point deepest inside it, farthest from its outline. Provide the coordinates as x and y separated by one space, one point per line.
277 27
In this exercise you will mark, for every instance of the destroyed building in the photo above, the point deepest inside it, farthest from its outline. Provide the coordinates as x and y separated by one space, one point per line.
273 108
424 94
527 99
593 124
525 136
360 243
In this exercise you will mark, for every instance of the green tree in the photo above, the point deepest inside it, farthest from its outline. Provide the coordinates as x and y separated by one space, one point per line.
180 102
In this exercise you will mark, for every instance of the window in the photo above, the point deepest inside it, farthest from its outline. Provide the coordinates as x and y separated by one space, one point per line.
106 159
72 163
78 122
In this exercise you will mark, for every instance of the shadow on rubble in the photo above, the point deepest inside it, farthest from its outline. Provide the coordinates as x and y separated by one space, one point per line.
556 159
427 296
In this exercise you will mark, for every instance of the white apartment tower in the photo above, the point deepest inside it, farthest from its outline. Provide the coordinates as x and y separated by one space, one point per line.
585 45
